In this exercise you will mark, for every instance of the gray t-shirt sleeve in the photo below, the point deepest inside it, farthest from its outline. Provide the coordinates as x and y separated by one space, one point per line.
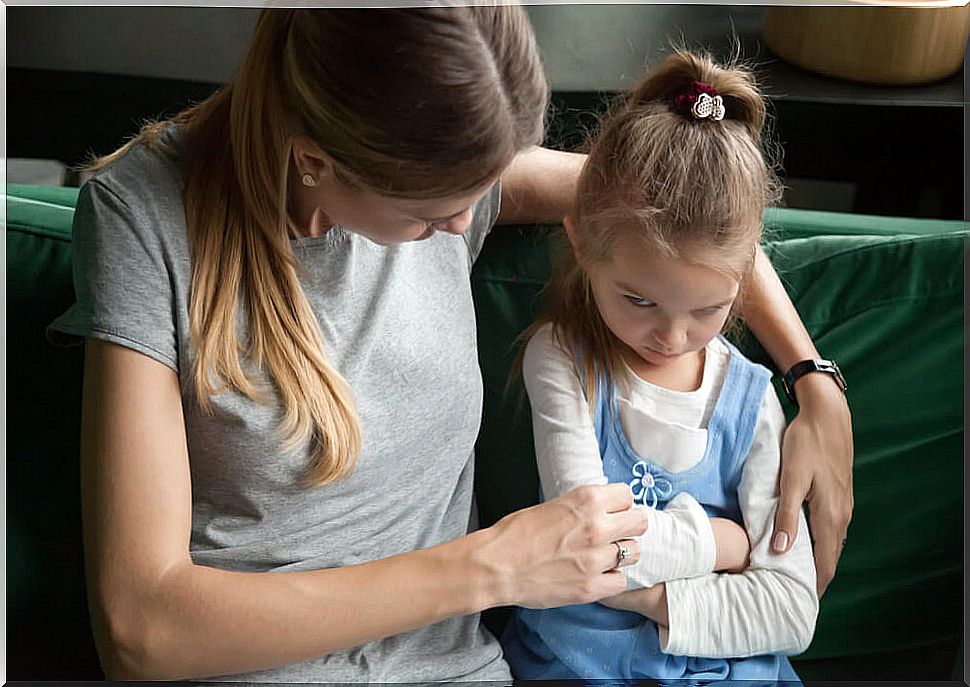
122 280
483 219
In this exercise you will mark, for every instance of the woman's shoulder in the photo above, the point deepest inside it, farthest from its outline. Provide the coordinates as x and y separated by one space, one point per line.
135 201
147 174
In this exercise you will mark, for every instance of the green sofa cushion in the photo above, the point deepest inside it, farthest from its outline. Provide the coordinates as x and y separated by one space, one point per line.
889 309
47 621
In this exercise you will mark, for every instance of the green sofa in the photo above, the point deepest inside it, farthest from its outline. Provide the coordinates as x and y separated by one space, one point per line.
883 296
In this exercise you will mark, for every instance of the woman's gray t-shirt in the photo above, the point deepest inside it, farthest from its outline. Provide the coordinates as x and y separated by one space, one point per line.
397 322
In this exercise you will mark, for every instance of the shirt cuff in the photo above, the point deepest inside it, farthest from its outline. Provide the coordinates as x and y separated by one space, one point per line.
678 543
674 639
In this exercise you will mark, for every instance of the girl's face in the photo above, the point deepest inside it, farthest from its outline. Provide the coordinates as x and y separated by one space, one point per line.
661 308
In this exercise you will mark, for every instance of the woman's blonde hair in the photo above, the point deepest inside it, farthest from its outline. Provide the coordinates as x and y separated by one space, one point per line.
670 180
415 103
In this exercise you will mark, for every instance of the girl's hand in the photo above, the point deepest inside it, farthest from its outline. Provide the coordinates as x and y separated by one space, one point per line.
562 552
733 546
647 601
816 466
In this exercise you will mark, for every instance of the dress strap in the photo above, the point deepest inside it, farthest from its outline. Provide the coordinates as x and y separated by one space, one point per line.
739 403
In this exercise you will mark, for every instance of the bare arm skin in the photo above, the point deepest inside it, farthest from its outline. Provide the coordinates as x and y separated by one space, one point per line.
157 615
539 186
733 546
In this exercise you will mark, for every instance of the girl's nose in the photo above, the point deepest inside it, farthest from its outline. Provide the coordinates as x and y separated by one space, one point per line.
671 338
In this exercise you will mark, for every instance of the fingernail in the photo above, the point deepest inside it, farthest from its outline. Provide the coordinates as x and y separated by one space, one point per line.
780 541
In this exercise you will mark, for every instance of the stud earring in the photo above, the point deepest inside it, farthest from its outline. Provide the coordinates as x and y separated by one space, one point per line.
308 180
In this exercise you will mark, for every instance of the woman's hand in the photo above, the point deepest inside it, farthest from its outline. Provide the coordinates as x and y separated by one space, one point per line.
562 552
816 466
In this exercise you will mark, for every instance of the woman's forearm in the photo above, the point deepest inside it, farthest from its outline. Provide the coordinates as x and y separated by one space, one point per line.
772 318
199 621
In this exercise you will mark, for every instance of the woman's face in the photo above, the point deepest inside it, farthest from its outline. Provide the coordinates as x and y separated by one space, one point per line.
388 221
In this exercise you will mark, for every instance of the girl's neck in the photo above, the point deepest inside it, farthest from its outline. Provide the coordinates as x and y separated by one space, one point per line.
685 373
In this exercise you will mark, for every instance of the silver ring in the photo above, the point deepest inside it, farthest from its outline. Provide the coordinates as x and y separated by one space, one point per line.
622 553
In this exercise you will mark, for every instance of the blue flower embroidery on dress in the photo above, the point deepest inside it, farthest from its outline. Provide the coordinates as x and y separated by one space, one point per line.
647 487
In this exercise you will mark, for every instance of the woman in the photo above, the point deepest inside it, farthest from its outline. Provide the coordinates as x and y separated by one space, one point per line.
281 394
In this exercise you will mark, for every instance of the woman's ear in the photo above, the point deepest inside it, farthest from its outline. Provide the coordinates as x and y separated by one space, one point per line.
310 158
571 231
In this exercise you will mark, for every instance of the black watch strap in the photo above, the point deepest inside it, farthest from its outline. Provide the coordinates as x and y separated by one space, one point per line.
804 367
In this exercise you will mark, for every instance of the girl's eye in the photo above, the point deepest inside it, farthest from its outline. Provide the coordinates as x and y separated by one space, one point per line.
713 310
640 302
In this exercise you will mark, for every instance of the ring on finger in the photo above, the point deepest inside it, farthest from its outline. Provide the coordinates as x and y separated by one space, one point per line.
622 553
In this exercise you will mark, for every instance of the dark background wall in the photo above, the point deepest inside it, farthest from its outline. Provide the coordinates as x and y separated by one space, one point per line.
81 79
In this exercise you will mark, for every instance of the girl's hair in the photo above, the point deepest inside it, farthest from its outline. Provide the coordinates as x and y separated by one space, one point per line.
415 103
675 182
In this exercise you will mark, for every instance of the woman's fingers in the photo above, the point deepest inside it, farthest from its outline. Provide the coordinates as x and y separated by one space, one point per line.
795 482
620 554
617 496
829 522
608 512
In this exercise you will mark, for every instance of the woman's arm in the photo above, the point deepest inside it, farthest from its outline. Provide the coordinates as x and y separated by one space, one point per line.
771 606
157 615
817 451
539 186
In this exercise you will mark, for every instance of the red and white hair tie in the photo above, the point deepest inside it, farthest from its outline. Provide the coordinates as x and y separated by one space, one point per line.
699 100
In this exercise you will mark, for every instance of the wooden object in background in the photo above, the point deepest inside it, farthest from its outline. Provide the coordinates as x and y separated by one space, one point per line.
873 41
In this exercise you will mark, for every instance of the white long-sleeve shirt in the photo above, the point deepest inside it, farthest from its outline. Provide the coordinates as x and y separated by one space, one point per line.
771 607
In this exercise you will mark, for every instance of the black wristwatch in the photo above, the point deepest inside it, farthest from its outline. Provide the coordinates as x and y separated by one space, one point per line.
802 368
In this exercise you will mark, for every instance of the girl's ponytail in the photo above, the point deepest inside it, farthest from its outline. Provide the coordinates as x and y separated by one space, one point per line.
735 84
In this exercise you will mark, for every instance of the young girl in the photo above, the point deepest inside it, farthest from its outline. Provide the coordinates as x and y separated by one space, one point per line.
629 381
